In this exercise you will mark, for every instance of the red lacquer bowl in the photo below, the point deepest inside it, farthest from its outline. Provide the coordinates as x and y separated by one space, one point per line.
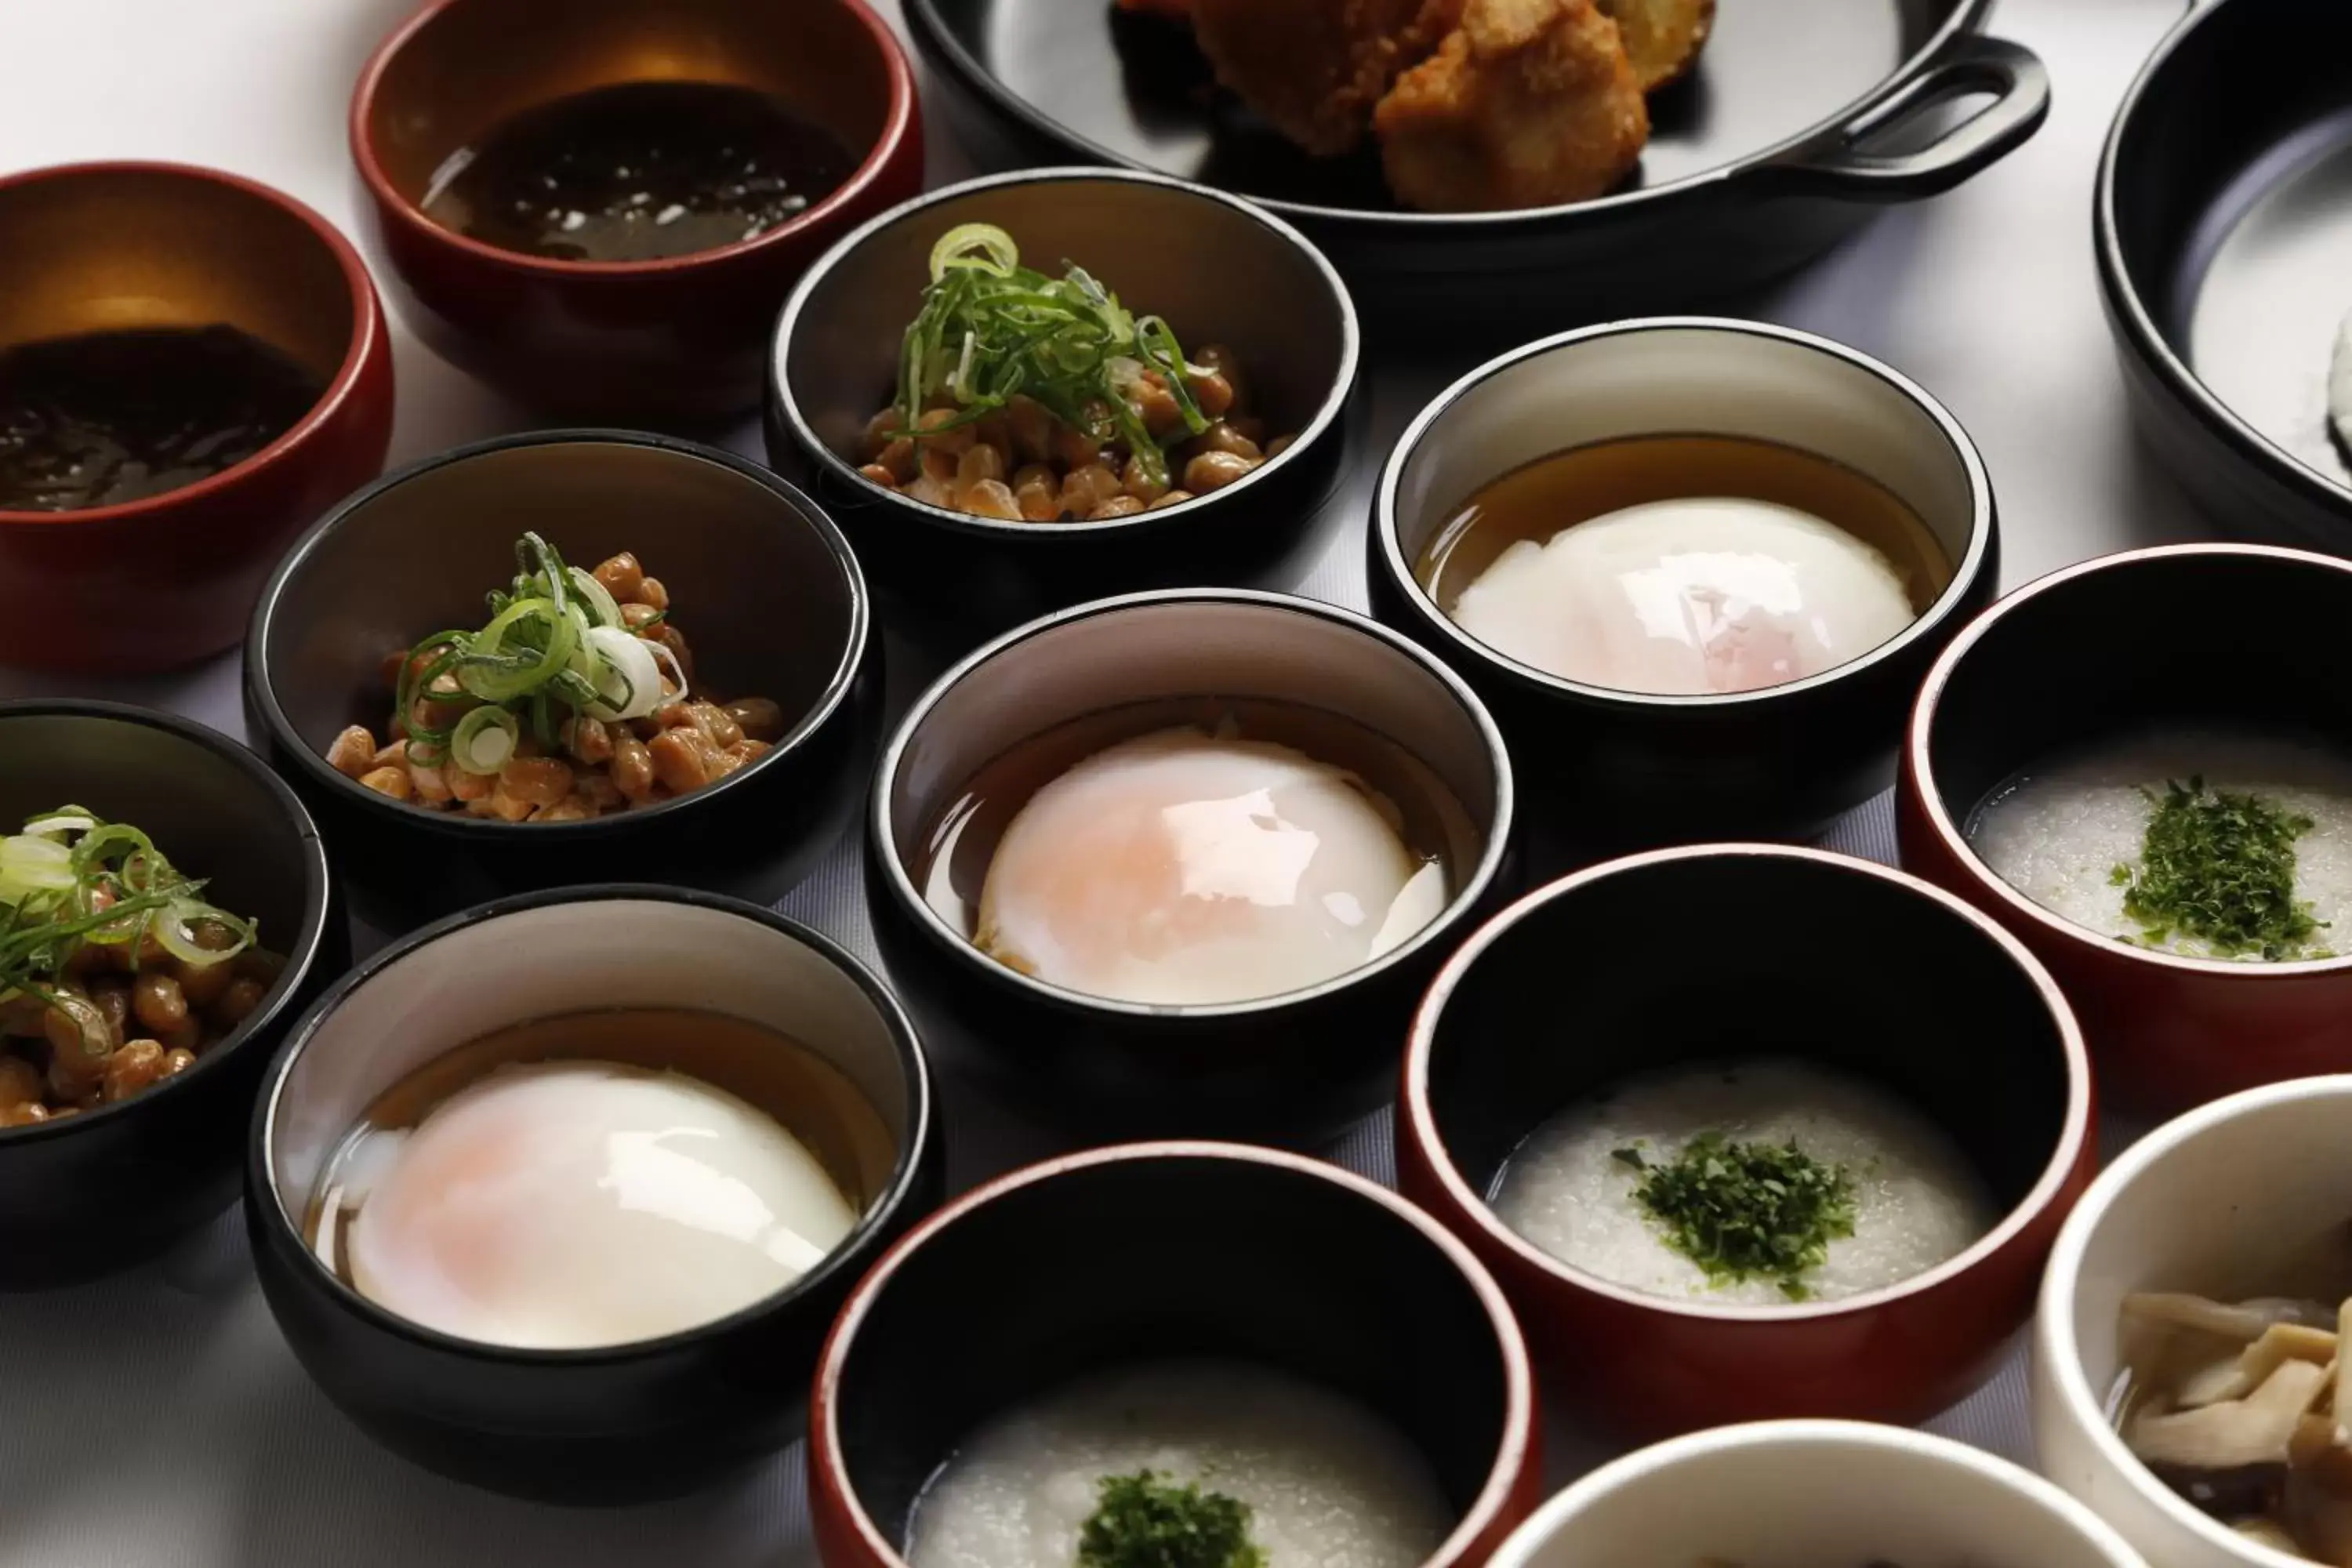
1731 951
1148 1252
100 246
664 341
2244 638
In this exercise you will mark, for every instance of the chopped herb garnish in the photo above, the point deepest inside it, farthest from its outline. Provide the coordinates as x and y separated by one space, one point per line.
1144 1521
1747 1211
992 328
2219 869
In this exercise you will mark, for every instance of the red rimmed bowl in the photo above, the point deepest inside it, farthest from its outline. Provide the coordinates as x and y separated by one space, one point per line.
152 583
1840 965
2042 675
1130 1254
683 338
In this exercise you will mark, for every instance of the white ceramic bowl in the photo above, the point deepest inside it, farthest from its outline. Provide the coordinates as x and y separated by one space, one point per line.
2169 1216
1813 1494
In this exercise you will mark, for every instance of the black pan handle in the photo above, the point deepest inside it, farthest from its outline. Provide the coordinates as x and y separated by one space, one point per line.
1840 165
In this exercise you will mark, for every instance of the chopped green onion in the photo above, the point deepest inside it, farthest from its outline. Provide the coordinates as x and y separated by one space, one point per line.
110 886
484 739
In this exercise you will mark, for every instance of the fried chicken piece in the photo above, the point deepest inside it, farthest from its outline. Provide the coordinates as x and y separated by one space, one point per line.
1315 68
1661 38
1528 103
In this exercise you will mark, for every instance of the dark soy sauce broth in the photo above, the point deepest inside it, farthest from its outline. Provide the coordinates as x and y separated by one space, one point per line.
814 1100
952 867
639 172
1537 501
105 418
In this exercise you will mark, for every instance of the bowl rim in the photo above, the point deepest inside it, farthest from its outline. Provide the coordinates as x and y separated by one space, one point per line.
898 882
1520 1549
932 32
1967 570
301 958
1417 1118
2137 324
2059 1351
1521 1438
914 1153
368 339
2015 908
898 120
784 403
261 688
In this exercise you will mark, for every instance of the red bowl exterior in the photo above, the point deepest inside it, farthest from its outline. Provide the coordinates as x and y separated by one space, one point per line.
847 1537
1651 1371
680 339
161 581
2166 1035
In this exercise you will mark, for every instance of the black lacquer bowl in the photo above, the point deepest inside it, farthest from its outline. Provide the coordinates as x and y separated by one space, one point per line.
1220 272
1799 122
1604 768
653 1418
2223 225
1289 1067
1159 1251
116 1185
763 586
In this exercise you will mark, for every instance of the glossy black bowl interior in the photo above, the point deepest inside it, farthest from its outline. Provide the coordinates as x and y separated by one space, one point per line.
762 587
1795 120
2224 222
1288 1066
1218 271
653 1418
1615 768
1847 966
1191 1250
2043 680
116 1185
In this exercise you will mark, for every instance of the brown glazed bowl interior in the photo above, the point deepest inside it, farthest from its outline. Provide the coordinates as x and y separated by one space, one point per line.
1848 966
683 333
112 246
2052 671
1147 1252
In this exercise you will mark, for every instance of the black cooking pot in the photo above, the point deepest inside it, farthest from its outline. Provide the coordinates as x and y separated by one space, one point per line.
2224 218
1797 122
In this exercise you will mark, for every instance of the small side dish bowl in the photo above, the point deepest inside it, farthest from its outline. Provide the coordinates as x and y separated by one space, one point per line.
1629 768
149 584
2220 227
2176 1212
1293 1065
1844 965
116 1185
1191 1250
675 339
1218 268
1794 1494
773 598
629 1422
2044 674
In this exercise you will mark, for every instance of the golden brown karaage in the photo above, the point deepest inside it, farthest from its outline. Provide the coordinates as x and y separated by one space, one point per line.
1661 38
1526 104
1315 68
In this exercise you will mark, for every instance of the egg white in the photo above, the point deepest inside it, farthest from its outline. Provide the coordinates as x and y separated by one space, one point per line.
570 1204
1688 597
1183 867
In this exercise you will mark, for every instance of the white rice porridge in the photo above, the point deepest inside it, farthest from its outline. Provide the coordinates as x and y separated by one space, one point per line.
2058 836
1329 1484
1918 1201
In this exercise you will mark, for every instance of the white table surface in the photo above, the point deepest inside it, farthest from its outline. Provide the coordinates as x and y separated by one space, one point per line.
158 1418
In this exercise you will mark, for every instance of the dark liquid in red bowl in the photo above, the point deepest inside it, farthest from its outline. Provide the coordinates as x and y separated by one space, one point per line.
104 419
639 172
